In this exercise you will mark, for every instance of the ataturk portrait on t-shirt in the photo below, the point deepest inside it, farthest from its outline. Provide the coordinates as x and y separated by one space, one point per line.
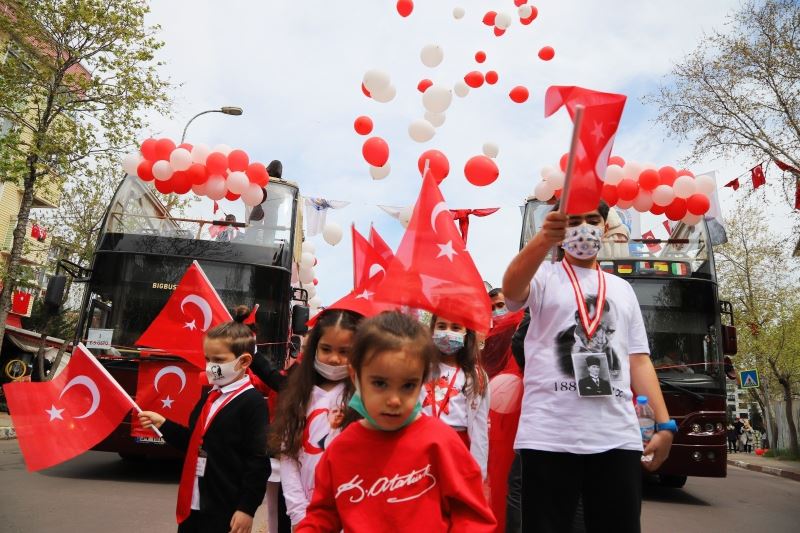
574 339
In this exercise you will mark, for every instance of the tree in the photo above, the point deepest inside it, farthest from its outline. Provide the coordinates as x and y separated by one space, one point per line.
738 92
80 76
759 277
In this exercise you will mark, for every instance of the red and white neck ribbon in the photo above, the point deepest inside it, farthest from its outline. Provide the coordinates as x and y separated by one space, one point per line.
590 324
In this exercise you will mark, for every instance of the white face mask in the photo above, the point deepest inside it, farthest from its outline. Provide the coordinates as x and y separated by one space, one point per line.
331 372
583 242
222 374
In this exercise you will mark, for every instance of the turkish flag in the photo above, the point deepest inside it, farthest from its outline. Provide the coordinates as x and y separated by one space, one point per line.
366 261
60 419
193 309
362 299
21 303
170 388
601 115
733 184
379 245
497 347
432 269
757 175
653 247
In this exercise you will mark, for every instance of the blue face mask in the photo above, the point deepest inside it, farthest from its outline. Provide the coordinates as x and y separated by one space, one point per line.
357 405
499 312
448 342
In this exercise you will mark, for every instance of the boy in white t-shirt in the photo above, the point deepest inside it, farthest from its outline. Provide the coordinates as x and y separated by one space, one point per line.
585 348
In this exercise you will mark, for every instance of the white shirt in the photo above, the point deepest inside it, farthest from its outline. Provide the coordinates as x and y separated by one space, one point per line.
554 416
227 390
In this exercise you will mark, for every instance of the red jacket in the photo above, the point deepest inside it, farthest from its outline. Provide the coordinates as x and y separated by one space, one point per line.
420 478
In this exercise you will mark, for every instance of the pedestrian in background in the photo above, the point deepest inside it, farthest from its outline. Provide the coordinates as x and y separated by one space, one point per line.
731 438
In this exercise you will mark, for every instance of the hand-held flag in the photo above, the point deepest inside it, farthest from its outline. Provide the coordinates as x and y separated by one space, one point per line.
171 388
366 260
379 245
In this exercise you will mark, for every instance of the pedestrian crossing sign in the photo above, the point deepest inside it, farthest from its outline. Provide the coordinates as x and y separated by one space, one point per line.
749 379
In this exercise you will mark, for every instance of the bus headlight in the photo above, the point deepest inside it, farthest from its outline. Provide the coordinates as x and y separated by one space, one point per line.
697 456
709 428
696 428
720 426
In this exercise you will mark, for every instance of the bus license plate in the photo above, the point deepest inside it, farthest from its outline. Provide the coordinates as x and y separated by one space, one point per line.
150 440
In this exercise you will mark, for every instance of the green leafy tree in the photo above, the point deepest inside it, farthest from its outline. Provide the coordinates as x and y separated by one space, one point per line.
79 75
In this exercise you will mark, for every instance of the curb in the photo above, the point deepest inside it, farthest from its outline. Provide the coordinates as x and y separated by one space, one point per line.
7 433
771 470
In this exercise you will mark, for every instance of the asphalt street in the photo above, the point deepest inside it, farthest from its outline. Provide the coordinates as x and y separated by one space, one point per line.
98 492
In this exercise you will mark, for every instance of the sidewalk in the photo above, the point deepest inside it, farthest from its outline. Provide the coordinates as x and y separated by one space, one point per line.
767 465
6 427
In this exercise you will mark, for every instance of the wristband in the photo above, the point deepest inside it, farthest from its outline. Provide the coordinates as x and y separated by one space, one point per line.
669 425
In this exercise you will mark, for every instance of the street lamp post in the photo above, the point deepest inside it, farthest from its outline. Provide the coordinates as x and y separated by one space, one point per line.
225 110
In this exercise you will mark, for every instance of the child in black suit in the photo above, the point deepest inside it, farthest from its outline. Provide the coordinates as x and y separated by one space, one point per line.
226 468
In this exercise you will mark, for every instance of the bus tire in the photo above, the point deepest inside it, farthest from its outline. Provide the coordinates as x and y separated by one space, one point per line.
674 482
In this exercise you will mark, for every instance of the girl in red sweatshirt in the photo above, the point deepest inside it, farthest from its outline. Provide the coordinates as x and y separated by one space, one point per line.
395 470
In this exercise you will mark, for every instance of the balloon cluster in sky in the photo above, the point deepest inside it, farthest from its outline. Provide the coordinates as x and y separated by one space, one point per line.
437 97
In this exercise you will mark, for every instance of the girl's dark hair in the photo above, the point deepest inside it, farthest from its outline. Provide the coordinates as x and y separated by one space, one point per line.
389 331
286 431
602 208
241 338
467 360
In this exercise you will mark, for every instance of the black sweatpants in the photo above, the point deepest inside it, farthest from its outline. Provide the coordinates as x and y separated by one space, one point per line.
610 484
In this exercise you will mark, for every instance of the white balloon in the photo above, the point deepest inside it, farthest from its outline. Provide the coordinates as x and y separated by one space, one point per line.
309 247
376 80
306 260
315 302
524 11
385 95
431 55
215 187
421 130
543 191
332 233
378 173
556 179
436 119
437 98
306 275
252 195
222 148
624 204
238 182
643 201
199 190
691 219
311 289
649 166
503 20
162 170
405 215
130 163
631 170
663 195
180 159
491 149
545 173
614 174
458 13
461 89
684 186
705 184
200 153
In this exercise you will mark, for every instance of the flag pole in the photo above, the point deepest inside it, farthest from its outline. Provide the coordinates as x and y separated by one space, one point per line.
576 128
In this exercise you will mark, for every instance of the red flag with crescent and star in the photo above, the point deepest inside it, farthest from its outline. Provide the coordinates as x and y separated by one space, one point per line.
193 309
366 260
432 269
601 115
379 245
171 388
60 419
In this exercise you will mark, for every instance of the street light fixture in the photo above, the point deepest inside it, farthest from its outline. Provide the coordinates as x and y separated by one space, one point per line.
225 110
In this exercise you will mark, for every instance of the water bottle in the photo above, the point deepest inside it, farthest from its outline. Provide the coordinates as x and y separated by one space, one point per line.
647 419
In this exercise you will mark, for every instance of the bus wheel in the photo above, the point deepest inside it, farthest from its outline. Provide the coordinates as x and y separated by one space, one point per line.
674 482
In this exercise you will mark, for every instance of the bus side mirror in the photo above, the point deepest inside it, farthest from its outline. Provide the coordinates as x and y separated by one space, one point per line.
299 318
729 346
55 292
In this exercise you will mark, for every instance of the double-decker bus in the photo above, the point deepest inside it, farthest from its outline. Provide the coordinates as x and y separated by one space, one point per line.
141 254
675 282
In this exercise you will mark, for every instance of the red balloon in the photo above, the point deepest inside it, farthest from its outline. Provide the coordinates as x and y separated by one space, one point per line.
610 194
375 151
658 209
491 77
546 53
474 79
676 210
519 94
439 166
164 187
148 149
216 163
145 170
238 160
616 160
531 17
405 7
649 179
697 204
759 451
557 194
520 2
423 85
315 281
685 172
197 174
481 170
257 173
480 56
164 147
498 32
181 182
363 125
365 91
562 163
186 146
627 189
232 197
489 17
667 175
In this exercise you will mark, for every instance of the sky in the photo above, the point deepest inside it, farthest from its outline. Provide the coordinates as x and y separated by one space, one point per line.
296 70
